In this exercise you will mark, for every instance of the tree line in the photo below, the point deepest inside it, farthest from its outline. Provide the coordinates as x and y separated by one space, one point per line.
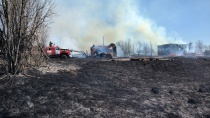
200 47
140 48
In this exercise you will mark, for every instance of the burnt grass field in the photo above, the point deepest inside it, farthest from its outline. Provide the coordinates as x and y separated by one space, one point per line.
178 88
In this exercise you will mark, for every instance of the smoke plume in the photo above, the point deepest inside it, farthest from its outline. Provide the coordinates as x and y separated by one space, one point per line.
82 23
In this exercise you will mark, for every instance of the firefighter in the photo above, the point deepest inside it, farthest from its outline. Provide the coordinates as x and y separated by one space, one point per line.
50 44
92 49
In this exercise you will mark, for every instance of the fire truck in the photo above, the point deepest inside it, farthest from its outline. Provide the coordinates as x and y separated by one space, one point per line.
57 52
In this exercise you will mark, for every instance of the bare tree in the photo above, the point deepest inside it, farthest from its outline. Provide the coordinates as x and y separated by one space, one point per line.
146 49
133 49
190 46
21 24
151 49
199 46
139 47
126 47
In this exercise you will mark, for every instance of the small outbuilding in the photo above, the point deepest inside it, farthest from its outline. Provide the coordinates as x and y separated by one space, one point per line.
172 49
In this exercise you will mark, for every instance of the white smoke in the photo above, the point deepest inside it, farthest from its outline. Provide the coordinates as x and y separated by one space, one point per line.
82 23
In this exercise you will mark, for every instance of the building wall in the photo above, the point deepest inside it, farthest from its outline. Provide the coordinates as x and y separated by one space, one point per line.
171 49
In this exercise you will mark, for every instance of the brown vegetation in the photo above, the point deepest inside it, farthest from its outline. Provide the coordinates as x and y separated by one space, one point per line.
23 25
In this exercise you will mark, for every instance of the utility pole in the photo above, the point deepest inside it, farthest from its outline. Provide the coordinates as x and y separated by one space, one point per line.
151 48
103 40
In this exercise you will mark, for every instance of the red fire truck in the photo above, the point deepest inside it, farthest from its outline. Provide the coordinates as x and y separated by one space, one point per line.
55 51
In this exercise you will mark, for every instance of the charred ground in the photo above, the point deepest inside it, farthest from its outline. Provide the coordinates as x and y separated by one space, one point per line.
95 88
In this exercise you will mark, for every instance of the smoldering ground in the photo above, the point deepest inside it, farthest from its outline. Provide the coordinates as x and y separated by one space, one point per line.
178 88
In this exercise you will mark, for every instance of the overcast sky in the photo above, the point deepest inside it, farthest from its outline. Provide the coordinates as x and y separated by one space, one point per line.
83 22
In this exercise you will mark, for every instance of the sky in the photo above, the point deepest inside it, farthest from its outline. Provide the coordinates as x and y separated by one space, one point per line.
78 24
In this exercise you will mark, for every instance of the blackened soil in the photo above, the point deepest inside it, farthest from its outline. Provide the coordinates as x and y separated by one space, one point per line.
168 89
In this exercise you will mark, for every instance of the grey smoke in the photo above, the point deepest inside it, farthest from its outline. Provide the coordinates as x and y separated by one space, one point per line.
82 23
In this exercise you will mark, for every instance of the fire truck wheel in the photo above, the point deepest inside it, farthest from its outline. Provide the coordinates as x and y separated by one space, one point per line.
63 57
